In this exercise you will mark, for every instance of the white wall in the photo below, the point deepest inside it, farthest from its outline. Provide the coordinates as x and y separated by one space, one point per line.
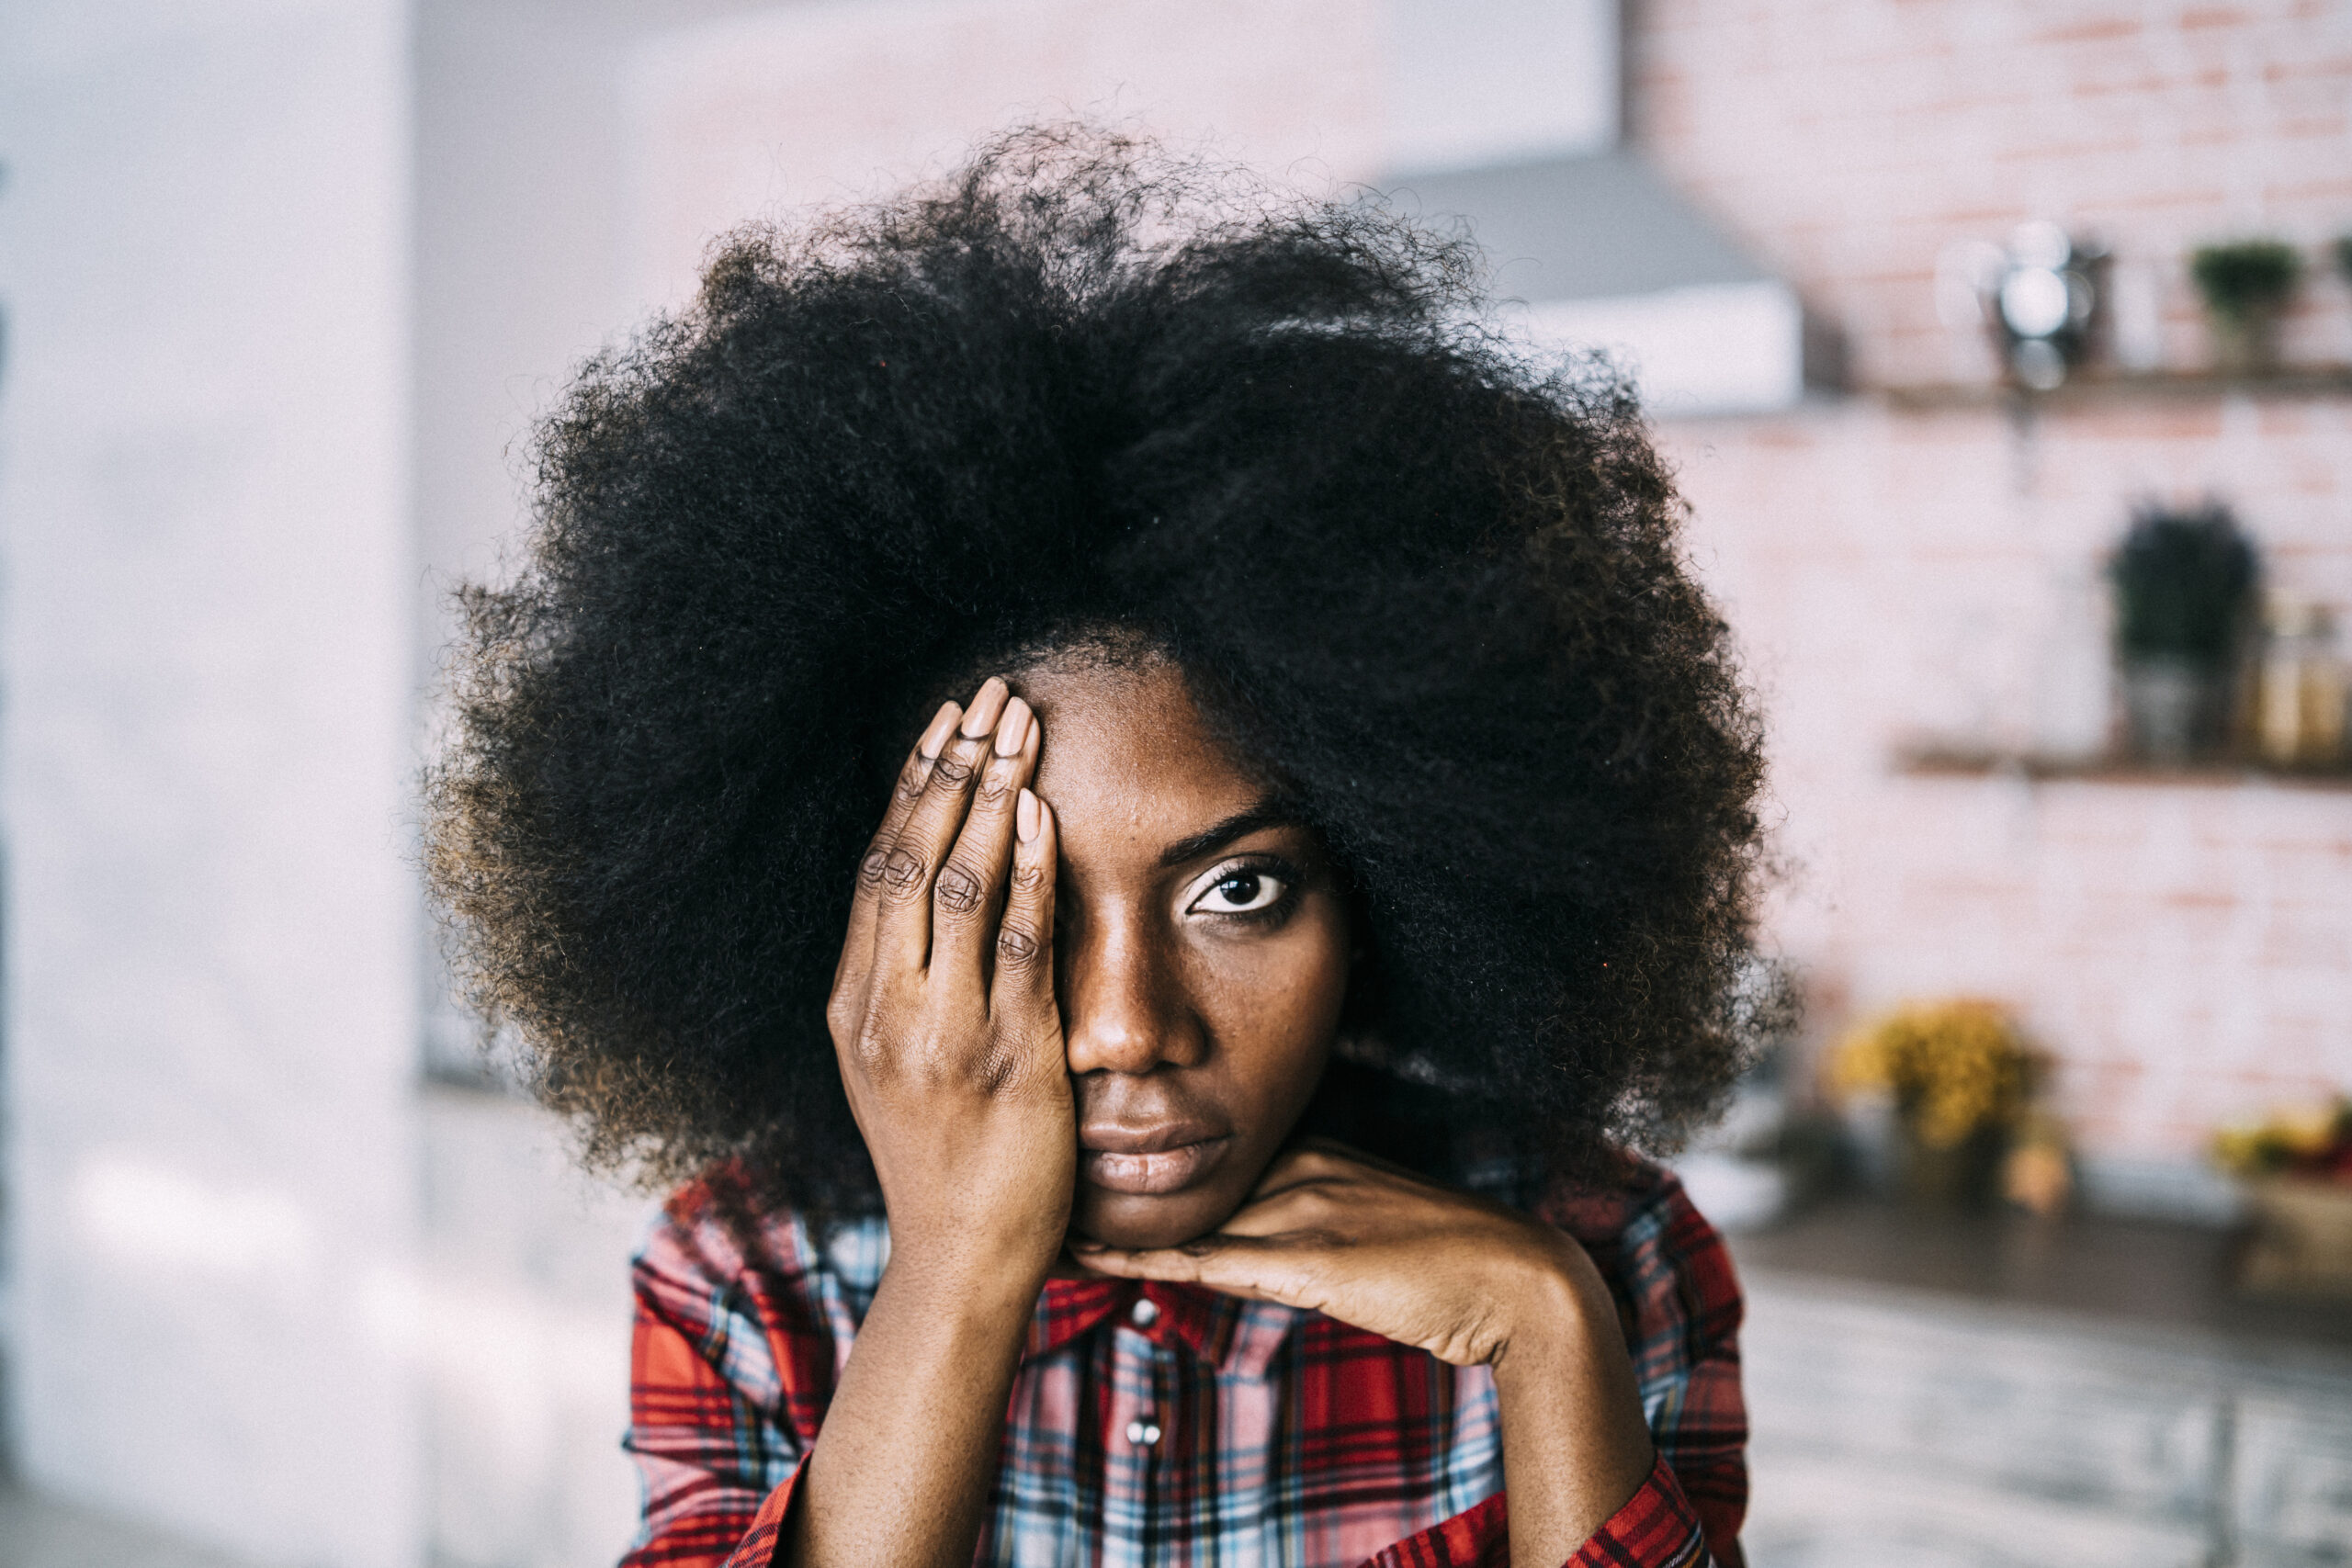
524 241
1472 82
834 99
207 637
846 100
1708 349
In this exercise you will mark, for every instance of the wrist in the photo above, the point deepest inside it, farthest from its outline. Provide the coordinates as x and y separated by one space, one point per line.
977 1231
1558 1318
969 1274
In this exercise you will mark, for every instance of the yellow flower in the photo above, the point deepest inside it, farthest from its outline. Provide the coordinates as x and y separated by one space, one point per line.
1953 1067
2297 1136
2306 1129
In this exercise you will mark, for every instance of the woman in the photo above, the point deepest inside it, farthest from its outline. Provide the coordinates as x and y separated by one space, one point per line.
1194 1126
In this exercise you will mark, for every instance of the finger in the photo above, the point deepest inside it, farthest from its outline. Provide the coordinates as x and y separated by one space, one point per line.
970 887
857 945
902 919
1260 1269
1318 1159
1305 1161
1299 1208
1303 1165
1021 994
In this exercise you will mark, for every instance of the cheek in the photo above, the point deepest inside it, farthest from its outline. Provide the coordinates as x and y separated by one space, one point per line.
1273 1004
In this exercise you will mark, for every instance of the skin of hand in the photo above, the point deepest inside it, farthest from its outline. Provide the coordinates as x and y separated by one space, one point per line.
1470 1282
942 1012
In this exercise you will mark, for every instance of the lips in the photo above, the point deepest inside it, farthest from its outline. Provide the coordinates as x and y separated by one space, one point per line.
1149 1161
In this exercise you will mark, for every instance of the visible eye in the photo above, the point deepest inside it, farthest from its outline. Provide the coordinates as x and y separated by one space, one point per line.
1241 891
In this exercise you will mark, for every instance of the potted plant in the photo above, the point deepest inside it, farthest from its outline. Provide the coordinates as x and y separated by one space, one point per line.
2296 1170
2184 586
2246 285
1961 1077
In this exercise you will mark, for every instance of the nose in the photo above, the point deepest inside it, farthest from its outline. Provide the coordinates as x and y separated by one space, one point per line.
1123 1005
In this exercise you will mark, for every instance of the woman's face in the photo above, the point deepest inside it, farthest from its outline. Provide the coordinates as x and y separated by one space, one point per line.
1200 956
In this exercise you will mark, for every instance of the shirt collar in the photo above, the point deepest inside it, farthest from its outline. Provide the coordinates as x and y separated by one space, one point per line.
1235 1336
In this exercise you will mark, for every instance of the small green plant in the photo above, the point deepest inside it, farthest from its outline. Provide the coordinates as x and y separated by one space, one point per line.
2246 278
2184 586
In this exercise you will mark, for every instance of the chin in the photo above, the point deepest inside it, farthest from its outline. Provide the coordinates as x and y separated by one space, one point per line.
1124 1219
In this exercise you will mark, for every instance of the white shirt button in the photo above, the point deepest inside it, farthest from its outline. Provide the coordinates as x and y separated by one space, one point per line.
1143 1433
1145 1313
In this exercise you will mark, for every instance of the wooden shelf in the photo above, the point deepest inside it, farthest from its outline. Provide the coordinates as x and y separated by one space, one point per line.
1952 761
2096 387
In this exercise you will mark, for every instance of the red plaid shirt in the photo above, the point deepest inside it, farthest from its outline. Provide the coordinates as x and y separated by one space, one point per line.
1165 1424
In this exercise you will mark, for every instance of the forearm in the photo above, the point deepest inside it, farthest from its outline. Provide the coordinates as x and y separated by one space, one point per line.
1574 1444
901 1472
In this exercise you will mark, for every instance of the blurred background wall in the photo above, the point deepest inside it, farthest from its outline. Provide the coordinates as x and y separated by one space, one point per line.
210 651
288 1273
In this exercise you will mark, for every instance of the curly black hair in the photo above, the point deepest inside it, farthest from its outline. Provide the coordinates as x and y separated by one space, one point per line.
1430 585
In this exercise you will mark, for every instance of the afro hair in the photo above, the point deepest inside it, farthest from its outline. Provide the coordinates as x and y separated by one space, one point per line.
1430 583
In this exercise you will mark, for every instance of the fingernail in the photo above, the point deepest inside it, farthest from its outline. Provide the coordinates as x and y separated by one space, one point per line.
989 702
943 725
1013 729
1025 815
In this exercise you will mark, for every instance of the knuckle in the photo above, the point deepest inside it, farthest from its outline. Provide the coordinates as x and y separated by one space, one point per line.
1016 944
958 891
997 1070
1028 878
952 770
901 1051
911 778
927 1062
870 1045
902 872
870 868
1316 1198
995 785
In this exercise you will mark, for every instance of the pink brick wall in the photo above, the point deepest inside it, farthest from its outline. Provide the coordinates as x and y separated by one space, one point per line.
1848 139
1894 573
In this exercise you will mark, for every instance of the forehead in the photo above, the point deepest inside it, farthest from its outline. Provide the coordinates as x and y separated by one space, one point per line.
1128 763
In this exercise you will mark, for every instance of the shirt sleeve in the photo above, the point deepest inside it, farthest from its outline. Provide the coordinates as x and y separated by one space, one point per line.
1687 1311
1681 1306
1656 1529
718 1470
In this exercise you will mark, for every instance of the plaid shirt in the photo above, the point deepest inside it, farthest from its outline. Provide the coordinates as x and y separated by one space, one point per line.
1164 1424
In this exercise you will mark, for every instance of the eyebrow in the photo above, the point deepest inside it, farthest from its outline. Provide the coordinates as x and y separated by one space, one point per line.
1271 812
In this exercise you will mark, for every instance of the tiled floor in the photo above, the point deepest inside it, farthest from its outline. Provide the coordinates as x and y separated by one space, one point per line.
36 1533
